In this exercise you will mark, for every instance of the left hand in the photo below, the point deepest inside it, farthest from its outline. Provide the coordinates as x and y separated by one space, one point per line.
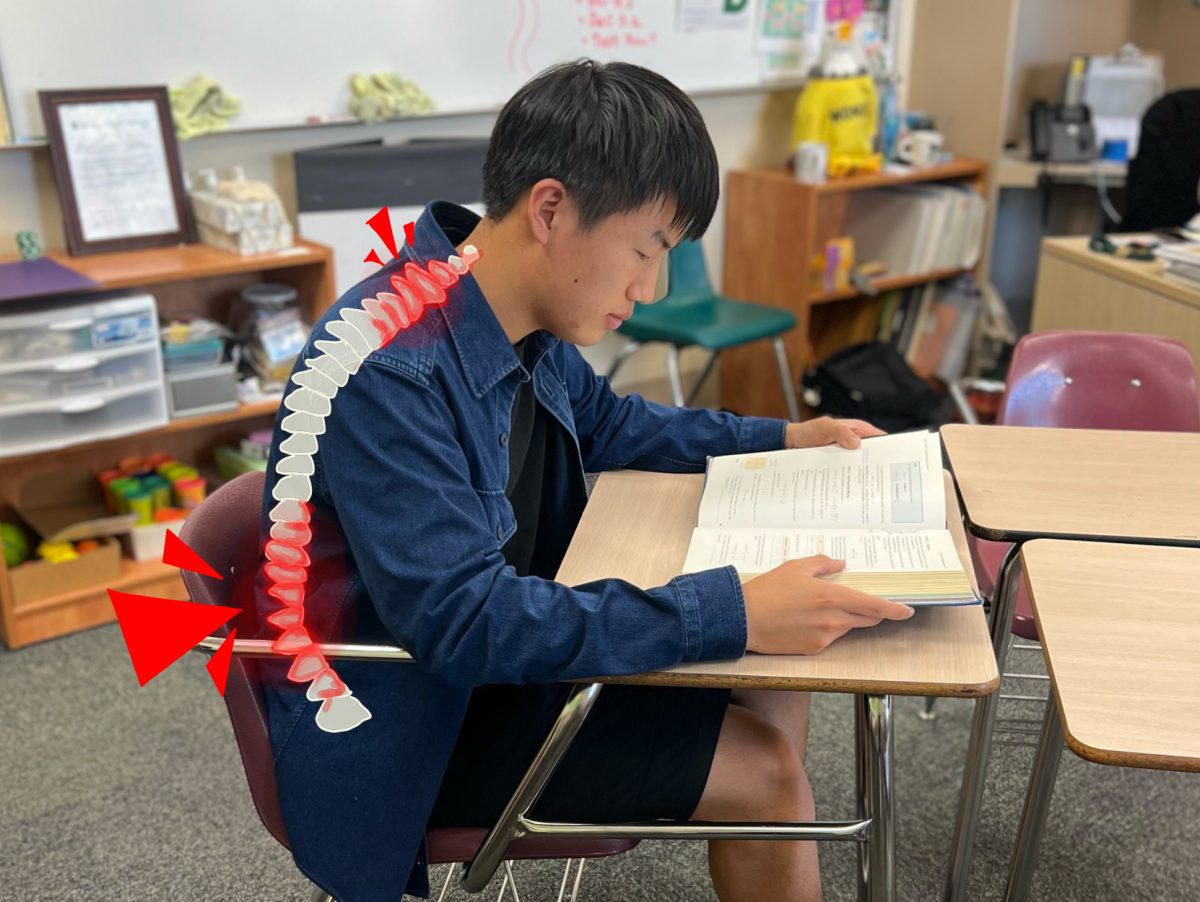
828 431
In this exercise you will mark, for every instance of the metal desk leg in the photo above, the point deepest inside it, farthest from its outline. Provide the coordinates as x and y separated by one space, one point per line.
874 752
1037 806
970 798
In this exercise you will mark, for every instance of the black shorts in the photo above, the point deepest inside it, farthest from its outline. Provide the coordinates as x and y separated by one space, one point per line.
643 753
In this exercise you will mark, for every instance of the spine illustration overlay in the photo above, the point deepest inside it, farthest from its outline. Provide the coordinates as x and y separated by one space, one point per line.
358 332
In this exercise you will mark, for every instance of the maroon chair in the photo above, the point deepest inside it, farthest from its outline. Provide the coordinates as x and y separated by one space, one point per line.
1090 380
1086 380
224 531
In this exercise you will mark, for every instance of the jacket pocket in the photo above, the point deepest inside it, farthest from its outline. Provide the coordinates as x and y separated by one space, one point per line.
501 522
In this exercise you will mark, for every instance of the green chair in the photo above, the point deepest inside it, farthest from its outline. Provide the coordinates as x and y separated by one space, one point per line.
693 314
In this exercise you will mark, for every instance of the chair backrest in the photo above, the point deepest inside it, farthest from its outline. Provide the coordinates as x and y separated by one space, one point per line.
689 276
224 531
1101 380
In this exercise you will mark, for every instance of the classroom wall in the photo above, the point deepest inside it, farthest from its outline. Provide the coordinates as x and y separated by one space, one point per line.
748 129
1047 36
1172 27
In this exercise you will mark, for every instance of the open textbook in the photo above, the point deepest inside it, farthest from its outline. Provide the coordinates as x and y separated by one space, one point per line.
881 508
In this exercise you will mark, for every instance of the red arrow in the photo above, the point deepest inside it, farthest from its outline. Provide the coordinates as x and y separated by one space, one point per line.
176 553
158 631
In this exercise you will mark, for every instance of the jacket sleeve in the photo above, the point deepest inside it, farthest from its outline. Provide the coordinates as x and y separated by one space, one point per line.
630 432
426 545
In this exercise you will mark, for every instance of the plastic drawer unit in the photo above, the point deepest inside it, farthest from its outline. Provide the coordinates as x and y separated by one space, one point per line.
75 372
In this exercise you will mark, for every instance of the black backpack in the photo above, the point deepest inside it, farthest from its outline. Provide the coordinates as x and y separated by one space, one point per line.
871 382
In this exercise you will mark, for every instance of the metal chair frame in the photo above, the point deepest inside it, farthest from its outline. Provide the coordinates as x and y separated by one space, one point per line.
874 753
785 372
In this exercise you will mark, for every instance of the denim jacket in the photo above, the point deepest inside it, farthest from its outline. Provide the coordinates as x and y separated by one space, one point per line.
409 516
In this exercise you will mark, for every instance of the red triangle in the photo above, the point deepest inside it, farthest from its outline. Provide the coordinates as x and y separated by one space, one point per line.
373 257
218 664
381 225
410 229
176 553
158 631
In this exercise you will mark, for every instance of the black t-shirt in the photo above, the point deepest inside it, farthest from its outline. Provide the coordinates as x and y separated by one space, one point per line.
526 469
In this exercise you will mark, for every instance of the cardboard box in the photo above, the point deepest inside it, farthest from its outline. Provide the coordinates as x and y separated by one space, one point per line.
68 506
36 579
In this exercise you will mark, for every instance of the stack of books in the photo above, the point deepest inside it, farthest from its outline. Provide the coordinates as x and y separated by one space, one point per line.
1181 262
932 326
916 229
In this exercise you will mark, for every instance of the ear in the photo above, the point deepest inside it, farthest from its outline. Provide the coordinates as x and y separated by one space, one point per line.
545 208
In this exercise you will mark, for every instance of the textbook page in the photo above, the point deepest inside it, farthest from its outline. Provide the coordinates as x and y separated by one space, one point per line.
915 567
754 551
891 482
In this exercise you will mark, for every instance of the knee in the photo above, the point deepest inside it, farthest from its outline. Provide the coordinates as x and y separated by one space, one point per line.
757 773
779 780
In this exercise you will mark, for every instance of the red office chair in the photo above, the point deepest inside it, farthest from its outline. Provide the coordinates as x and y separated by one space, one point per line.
224 530
1088 380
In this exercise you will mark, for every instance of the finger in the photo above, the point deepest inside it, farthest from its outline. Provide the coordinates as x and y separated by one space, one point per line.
863 428
817 565
855 602
836 432
845 436
858 621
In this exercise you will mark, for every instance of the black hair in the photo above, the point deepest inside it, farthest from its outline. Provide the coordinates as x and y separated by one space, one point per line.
616 135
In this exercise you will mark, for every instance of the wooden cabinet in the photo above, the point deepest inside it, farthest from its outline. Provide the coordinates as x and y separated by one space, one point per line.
1078 288
774 227
185 279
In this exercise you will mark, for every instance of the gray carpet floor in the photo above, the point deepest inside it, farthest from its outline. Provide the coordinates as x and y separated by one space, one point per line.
115 792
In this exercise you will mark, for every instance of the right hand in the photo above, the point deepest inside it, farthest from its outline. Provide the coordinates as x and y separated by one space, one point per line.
790 611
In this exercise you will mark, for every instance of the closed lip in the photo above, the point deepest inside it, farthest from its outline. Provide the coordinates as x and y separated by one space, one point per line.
622 316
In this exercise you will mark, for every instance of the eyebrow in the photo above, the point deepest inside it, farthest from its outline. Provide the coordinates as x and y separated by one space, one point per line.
662 239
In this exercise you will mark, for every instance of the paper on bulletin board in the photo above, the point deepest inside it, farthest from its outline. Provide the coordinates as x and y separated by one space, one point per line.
711 15
789 26
788 36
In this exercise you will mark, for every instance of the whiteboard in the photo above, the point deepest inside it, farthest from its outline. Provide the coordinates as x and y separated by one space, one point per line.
288 60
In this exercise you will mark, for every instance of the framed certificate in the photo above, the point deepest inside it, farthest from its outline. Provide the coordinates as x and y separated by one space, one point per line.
117 167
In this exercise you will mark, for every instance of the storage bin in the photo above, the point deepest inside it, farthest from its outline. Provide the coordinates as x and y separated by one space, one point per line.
87 418
60 330
193 354
192 392
78 374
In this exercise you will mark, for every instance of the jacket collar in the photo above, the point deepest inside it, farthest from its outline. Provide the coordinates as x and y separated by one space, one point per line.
483 350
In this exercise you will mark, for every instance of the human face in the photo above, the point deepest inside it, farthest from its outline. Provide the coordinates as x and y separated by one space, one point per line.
597 276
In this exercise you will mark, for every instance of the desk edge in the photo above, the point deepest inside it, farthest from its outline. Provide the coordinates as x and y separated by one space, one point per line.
794 684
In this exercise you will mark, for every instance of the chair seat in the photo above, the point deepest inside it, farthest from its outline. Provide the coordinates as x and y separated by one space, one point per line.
458 844
712 323
988 556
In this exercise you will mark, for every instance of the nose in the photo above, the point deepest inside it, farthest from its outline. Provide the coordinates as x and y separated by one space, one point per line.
644 291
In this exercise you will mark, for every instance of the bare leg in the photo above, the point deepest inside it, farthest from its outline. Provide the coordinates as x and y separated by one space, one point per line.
786 710
757 775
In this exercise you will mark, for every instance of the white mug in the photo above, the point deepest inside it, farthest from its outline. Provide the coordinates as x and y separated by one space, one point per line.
811 162
919 148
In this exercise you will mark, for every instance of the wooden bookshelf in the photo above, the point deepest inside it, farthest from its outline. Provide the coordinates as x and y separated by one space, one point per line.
774 227
887 283
188 278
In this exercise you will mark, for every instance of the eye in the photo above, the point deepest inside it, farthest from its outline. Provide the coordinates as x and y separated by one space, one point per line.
641 256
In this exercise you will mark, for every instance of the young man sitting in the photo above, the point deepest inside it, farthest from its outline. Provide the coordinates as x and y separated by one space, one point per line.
447 485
